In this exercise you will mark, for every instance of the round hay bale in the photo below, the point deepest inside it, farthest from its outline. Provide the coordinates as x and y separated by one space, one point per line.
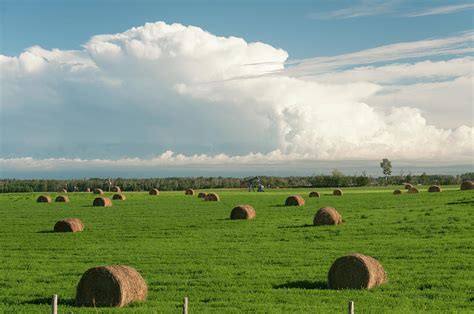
154 192
397 192
467 185
294 200
242 212
202 195
69 225
413 190
314 194
62 198
212 197
98 191
408 186
62 191
116 189
434 189
102 201
337 192
189 192
119 196
110 286
327 216
43 199
356 271
87 190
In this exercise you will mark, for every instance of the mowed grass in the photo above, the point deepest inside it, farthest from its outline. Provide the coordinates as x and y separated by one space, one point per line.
277 263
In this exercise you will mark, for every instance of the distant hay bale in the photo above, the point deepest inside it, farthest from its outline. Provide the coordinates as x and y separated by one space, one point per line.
337 192
102 201
154 192
62 198
467 185
242 212
212 197
87 190
119 196
434 189
356 271
294 200
202 195
62 191
327 216
189 192
397 192
314 194
413 190
110 286
98 191
69 225
43 199
116 189
408 186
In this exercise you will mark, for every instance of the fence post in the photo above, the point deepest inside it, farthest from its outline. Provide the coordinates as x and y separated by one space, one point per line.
54 304
185 305
350 308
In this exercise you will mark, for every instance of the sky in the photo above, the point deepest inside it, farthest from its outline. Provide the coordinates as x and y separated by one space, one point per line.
162 88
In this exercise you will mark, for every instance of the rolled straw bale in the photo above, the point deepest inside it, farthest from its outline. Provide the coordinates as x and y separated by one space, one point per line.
408 186
434 189
154 192
69 225
242 212
202 195
102 201
327 216
62 198
314 194
413 190
119 196
467 185
397 192
98 191
116 189
62 191
337 192
87 190
43 199
212 197
189 192
294 200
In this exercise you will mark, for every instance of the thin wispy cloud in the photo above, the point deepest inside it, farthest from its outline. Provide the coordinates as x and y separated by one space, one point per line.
365 8
446 9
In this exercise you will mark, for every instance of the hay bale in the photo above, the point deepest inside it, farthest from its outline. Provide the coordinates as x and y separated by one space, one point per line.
116 189
242 212
434 189
154 192
98 191
119 196
62 198
212 197
337 192
413 190
87 190
467 185
102 201
69 225
314 194
189 192
202 195
408 186
327 216
397 192
43 199
356 271
62 191
110 286
294 200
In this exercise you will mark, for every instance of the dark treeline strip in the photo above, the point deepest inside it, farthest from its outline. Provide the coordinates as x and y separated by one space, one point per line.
337 179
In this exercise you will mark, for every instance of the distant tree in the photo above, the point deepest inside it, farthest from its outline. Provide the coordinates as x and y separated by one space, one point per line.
386 166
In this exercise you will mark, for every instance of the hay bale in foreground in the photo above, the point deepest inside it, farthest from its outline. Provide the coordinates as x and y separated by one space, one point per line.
189 192
154 192
294 200
62 198
43 199
467 185
356 271
242 212
202 195
98 191
119 196
327 216
212 197
337 192
413 190
110 286
408 186
314 194
116 189
397 192
434 189
69 225
102 201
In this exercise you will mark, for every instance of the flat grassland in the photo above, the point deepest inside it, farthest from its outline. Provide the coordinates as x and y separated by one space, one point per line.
277 263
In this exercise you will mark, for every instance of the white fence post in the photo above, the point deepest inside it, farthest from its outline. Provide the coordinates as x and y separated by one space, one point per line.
350 308
54 304
185 305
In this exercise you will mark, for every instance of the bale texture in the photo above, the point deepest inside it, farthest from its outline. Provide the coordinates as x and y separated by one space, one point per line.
62 198
189 192
356 271
327 216
294 200
102 201
397 192
434 189
154 192
69 225
119 196
408 186
413 190
242 212
110 286
314 194
212 197
43 199
98 191
116 189
202 195
337 192
467 185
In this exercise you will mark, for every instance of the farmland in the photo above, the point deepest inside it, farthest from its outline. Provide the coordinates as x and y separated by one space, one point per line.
278 262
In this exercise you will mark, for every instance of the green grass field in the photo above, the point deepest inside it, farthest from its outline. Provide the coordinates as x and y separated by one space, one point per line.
277 263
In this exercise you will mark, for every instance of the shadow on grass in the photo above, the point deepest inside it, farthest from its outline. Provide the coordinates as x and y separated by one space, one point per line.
303 284
299 226
279 205
463 201
45 231
70 302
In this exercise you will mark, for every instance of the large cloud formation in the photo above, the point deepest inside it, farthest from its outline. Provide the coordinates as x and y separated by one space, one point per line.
159 88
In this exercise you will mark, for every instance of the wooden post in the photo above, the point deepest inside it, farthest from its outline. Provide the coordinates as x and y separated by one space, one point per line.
350 308
185 305
54 304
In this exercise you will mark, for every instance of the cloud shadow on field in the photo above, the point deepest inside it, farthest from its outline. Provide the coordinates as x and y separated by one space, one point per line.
303 284
69 302
296 226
